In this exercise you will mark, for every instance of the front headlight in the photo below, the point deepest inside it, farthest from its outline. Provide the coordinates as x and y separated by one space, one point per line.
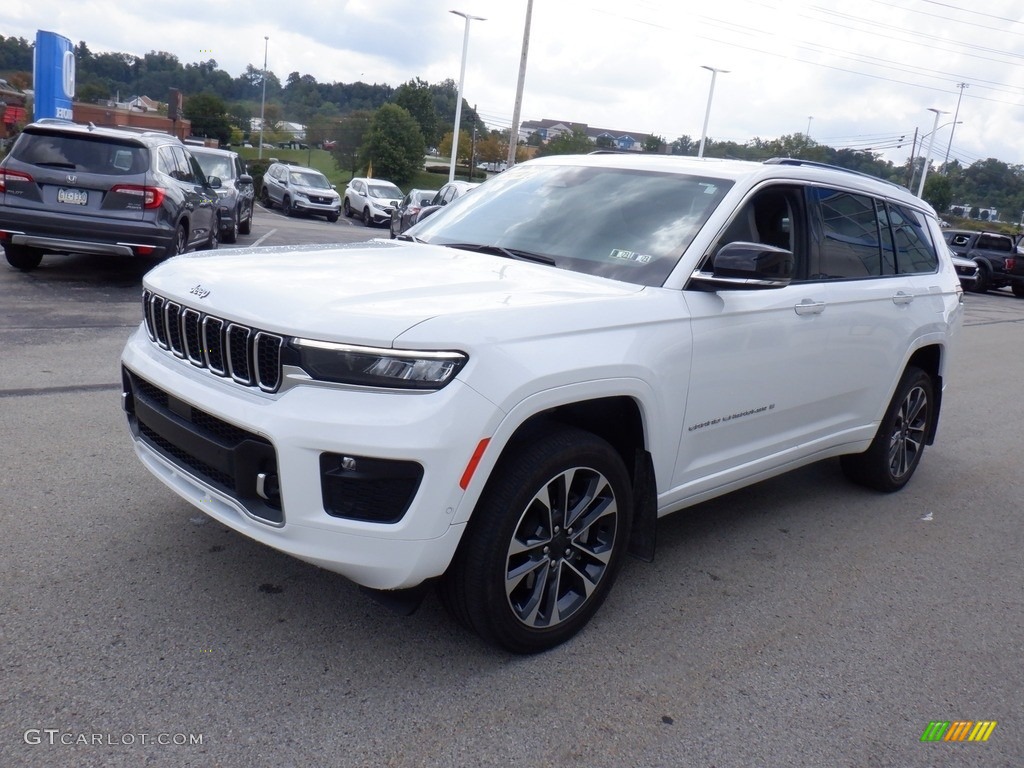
377 367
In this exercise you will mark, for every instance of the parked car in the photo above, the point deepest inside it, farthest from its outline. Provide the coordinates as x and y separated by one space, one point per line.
507 405
68 188
966 270
994 253
404 214
236 192
373 199
298 189
446 194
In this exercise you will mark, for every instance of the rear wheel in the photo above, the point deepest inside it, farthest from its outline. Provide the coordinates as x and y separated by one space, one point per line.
545 542
1018 289
23 257
265 199
180 244
888 464
231 233
245 226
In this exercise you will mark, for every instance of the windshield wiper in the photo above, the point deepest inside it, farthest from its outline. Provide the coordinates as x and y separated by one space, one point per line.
409 238
508 253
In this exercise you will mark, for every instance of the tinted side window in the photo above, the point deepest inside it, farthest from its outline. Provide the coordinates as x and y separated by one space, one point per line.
849 243
914 251
165 162
994 243
185 171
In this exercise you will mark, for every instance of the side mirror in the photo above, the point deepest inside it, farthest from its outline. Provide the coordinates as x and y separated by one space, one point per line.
215 182
747 266
245 178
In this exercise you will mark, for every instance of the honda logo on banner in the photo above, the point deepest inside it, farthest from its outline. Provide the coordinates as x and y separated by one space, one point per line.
54 76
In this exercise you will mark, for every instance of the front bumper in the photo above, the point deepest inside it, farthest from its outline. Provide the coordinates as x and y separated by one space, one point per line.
311 206
287 436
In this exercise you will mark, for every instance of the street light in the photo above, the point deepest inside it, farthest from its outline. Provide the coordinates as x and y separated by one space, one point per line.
913 156
931 143
945 163
707 112
263 101
458 103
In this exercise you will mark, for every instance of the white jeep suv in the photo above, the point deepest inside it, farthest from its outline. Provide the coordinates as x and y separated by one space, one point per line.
506 400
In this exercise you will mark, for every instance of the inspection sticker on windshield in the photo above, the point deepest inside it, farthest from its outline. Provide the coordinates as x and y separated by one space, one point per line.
639 258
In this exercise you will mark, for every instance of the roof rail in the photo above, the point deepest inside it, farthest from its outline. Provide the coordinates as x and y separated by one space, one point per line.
830 167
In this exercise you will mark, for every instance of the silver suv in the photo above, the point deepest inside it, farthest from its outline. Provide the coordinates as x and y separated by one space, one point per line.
298 189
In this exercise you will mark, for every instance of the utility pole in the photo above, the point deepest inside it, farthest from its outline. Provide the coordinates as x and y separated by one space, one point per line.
513 134
472 148
945 163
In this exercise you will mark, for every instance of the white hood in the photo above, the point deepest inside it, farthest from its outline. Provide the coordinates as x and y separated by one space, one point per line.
365 293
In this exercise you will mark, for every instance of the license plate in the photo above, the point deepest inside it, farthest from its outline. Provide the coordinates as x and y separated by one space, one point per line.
72 196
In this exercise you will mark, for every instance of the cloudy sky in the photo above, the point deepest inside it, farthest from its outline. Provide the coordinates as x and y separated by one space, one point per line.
856 75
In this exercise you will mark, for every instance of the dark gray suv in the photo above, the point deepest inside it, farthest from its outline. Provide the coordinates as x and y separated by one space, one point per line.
236 192
68 188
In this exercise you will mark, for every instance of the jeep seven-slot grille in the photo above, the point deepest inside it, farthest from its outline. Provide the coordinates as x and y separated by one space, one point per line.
246 355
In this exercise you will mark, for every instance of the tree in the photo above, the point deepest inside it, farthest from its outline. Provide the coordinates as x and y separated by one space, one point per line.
653 143
575 143
415 97
349 135
209 116
938 192
393 145
465 141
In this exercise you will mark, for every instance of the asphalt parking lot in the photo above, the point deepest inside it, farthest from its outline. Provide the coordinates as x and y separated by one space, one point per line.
801 622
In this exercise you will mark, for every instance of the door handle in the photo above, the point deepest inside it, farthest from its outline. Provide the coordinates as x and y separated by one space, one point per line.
809 307
902 298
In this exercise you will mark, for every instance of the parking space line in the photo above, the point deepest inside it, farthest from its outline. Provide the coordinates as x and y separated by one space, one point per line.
260 241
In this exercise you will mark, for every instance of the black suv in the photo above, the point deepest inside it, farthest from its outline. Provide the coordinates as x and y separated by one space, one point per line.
236 191
68 188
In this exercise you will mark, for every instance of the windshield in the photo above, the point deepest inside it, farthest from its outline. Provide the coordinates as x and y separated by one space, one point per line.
310 179
384 191
214 165
626 224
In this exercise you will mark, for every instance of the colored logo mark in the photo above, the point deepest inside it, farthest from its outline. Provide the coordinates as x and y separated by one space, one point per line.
958 730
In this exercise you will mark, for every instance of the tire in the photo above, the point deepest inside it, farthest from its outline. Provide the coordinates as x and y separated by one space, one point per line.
265 199
245 227
23 257
984 280
367 218
348 209
889 463
391 229
1018 289
180 244
289 210
518 577
213 241
332 217
231 233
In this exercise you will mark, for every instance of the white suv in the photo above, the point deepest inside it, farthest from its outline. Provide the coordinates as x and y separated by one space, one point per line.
507 401
373 199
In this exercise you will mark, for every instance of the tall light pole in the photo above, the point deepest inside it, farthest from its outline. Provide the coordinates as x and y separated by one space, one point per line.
931 143
961 86
263 101
513 134
707 112
458 103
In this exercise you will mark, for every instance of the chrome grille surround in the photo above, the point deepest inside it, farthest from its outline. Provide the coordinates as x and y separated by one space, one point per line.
247 356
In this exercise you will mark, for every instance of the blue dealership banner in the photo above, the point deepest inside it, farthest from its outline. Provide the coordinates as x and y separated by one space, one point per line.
54 76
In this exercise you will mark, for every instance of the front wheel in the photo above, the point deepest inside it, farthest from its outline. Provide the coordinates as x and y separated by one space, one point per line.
545 541
245 226
348 209
367 218
984 280
889 462
265 199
